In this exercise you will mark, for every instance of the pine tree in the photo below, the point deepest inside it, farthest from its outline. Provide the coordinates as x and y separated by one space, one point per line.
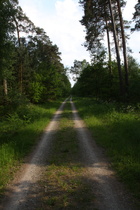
136 17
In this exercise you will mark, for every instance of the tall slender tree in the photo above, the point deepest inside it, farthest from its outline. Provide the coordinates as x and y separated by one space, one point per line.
30 64
96 17
124 45
22 24
6 33
117 48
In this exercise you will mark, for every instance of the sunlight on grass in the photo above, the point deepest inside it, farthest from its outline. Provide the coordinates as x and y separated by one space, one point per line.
18 133
117 129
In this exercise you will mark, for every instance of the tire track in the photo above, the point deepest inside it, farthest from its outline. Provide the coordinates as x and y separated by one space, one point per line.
109 193
33 170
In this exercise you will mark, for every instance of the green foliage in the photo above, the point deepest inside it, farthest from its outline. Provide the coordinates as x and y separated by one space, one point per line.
77 68
134 72
36 90
18 133
116 128
96 80
136 17
30 65
105 16
65 86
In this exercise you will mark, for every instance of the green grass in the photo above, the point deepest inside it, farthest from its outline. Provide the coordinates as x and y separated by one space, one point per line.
19 132
65 185
117 129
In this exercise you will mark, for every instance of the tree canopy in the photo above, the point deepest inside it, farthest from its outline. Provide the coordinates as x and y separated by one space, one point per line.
30 64
106 77
136 17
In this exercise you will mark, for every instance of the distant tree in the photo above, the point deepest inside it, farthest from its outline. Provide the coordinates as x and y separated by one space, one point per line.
93 81
77 68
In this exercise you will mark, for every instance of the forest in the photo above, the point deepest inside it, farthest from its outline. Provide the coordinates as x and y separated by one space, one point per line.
106 91
33 83
30 64
31 68
113 75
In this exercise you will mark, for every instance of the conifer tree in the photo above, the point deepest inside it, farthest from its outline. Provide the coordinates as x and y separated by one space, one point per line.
98 17
136 17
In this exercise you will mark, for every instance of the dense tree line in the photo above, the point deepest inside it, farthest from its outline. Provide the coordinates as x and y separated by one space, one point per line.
95 81
110 78
30 65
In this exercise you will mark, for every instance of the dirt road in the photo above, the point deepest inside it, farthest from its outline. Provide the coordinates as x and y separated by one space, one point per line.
109 193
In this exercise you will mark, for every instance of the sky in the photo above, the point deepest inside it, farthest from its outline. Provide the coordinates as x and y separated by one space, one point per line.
60 20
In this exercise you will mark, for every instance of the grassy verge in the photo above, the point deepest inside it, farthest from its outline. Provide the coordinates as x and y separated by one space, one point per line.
118 130
19 131
64 182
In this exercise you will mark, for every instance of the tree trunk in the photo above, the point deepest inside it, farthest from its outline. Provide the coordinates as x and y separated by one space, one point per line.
124 46
17 28
122 91
5 87
109 49
21 65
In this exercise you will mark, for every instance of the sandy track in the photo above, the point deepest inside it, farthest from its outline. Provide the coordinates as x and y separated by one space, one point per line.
32 171
109 193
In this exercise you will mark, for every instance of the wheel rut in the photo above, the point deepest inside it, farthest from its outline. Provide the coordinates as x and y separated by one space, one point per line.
30 172
108 191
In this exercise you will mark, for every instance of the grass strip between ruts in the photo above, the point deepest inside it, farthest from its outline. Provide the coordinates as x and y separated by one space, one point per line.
64 185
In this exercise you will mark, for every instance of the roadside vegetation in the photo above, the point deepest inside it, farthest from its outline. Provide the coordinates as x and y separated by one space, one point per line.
30 64
31 75
19 132
116 128
64 182
110 87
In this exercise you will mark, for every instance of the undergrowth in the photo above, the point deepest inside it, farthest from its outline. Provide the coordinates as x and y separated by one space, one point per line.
19 131
116 127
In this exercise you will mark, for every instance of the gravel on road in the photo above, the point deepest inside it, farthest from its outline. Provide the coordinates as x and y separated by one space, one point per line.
110 194
31 172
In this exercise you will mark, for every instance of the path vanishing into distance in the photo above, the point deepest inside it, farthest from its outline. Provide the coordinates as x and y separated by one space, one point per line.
44 183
